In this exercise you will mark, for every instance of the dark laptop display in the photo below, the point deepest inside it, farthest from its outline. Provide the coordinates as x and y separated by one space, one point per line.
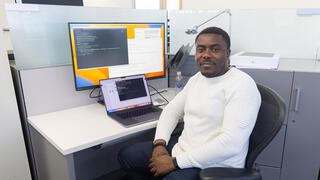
128 101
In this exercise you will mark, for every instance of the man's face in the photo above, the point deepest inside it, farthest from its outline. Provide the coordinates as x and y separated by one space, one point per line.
212 55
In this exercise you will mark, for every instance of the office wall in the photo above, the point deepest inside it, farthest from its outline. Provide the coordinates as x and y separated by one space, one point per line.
13 157
178 25
244 4
273 30
109 3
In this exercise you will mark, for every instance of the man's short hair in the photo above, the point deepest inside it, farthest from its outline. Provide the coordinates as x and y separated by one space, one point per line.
218 31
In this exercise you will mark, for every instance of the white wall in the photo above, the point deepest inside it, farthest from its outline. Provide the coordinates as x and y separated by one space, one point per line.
109 3
13 157
4 24
245 4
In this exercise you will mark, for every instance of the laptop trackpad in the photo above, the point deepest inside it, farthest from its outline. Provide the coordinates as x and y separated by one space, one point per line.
147 117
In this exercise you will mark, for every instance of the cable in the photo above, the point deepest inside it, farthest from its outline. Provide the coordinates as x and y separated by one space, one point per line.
159 94
163 90
99 93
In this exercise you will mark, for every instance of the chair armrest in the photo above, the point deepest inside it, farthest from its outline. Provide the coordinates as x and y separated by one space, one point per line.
221 173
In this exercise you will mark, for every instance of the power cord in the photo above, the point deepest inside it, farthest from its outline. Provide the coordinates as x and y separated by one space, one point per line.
161 91
97 96
157 92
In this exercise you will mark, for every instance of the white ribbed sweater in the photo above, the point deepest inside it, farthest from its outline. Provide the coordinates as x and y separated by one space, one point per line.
219 114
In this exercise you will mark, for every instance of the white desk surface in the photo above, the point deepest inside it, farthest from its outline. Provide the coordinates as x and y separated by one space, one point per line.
299 65
75 129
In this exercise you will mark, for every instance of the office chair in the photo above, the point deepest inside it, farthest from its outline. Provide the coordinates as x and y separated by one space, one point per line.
269 121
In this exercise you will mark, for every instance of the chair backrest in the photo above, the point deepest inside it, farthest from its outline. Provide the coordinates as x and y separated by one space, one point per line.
269 121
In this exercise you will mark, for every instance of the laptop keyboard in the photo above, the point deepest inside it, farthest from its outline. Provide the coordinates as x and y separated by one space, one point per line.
137 112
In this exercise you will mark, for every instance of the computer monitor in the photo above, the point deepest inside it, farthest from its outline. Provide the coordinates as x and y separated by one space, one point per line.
108 50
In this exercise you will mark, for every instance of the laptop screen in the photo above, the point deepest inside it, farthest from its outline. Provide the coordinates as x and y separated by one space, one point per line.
125 93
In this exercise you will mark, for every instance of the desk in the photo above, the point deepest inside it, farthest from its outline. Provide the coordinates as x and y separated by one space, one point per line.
67 132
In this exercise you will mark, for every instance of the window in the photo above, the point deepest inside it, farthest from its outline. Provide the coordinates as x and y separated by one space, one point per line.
158 4
173 4
148 4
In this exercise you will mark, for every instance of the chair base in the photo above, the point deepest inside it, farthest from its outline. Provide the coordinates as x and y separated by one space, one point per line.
220 173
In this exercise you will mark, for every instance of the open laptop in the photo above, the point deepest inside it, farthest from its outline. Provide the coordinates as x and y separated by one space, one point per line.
127 100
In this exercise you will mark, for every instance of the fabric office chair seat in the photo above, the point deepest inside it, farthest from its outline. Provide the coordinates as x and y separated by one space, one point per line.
270 118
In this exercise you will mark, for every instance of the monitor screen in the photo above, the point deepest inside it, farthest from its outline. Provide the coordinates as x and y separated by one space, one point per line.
108 50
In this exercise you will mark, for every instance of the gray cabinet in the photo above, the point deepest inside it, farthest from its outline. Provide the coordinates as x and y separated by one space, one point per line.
302 148
295 151
269 173
269 162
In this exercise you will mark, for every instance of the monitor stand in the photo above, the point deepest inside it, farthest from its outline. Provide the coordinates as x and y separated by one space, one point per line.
101 102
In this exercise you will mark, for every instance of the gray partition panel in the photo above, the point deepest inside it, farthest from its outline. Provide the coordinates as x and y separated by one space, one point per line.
51 89
159 83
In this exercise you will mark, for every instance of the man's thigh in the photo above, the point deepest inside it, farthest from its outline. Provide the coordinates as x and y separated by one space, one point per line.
185 174
136 155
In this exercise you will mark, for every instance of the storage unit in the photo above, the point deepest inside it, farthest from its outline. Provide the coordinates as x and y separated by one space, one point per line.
294 153
270 160
302 148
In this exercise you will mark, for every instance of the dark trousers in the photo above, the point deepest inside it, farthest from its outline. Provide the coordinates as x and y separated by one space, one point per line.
134 159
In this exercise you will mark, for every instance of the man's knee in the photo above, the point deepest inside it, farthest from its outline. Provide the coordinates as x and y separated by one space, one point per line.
131 156
123 156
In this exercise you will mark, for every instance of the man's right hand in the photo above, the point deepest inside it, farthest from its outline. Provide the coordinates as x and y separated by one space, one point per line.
159 151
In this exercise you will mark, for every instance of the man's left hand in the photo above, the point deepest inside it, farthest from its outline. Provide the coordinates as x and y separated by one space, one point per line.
161 165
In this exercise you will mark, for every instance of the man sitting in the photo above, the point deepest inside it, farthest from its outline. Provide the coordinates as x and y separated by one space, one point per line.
219 106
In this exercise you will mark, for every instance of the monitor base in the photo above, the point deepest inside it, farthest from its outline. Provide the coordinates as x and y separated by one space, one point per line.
101 102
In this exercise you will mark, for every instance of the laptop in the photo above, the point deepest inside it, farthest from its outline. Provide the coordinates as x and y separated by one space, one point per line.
128 101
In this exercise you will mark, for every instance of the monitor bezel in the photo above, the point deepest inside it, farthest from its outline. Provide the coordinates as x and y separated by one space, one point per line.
97 86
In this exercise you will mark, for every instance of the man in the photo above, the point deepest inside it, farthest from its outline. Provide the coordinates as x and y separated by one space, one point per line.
219 106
